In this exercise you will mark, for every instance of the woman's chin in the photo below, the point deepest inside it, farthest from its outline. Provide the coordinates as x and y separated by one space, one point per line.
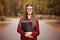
29 13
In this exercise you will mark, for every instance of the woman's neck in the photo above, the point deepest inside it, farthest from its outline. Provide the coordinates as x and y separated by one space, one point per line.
29 16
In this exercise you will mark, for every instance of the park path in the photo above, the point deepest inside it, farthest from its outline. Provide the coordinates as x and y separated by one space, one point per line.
46 32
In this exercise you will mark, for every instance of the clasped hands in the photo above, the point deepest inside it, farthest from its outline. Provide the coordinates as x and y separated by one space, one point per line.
28 34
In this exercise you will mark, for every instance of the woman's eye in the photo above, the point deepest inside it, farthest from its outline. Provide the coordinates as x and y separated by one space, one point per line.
29 9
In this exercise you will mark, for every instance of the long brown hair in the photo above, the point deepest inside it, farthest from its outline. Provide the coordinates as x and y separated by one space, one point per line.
24 15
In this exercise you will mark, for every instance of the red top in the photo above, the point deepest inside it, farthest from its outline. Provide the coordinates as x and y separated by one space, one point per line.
35 31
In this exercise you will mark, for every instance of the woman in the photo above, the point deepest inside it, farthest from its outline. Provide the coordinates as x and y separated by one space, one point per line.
29 16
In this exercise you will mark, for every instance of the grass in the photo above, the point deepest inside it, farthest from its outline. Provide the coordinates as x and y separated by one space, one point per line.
3 25
55 25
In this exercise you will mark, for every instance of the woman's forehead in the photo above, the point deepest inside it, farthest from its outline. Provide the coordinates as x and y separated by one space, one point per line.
29 7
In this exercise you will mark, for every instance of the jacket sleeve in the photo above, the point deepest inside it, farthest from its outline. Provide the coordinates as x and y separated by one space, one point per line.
19 29
36 31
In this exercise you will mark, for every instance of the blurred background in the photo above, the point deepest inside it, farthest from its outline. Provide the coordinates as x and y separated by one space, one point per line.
47 11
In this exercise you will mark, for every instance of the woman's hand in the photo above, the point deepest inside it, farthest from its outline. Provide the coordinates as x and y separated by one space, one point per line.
28 34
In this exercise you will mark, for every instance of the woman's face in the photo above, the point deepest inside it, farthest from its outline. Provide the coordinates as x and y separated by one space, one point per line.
29 9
